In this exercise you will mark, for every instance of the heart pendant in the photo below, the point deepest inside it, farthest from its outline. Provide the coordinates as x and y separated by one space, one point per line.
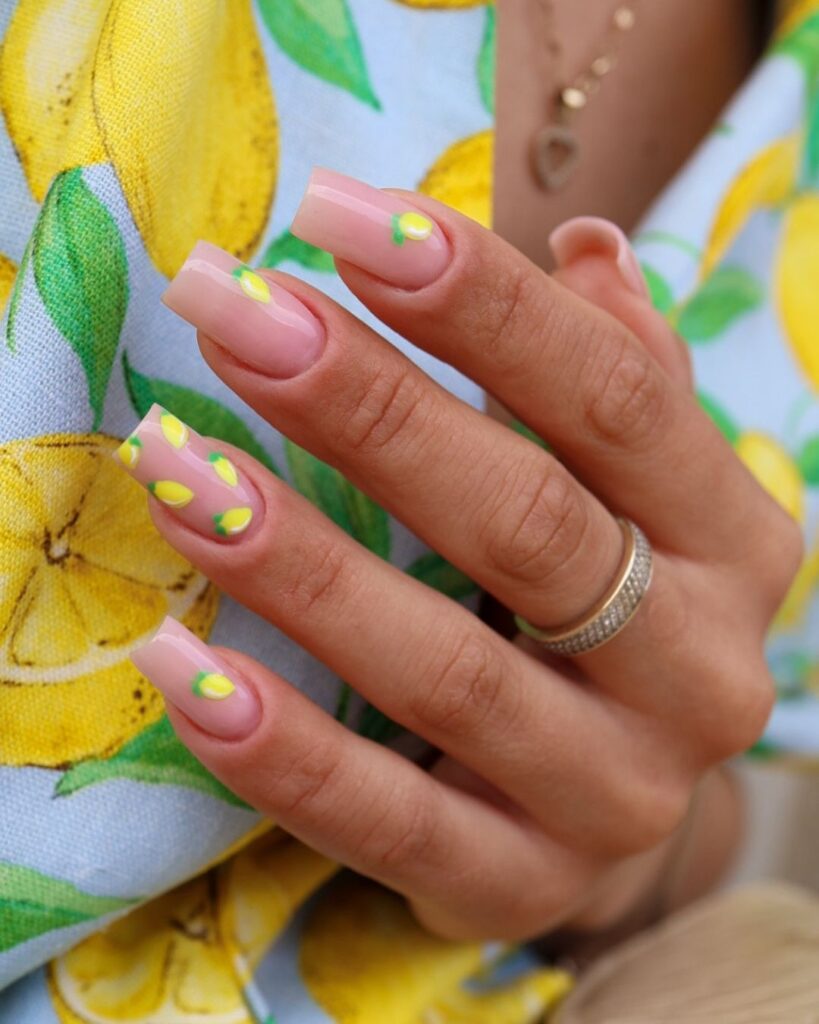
555 152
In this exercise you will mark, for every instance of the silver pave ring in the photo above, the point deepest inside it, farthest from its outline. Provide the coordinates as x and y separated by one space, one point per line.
614 609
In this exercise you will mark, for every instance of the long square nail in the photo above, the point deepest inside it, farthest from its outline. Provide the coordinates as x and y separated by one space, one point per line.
196 681
190 476
379 232
246 312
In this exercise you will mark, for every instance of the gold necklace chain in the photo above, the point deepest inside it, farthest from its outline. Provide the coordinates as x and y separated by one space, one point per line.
555 147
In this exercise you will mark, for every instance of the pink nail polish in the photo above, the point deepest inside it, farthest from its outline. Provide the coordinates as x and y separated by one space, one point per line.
190 475
260 322
581 236
379 232
197 682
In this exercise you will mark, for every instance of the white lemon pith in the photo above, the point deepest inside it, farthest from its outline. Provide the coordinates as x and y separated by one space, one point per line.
84 578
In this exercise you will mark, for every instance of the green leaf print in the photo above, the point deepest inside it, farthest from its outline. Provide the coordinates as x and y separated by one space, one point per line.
802 44
32 903
530 435
288 248
809 175
199 411
154 756
660 290
808 461
321 37
720 417
348 507
727 294
82 275
14 300
486 62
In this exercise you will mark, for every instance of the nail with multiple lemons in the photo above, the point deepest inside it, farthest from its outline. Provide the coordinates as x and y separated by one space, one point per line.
189 476
196 680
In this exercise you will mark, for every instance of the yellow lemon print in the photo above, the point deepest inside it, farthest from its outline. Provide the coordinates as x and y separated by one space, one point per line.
253 285
171 493
410 225
129 451
212 685
462 177
797 272
774 469
235 520
224 468
8 272
85 579
174 430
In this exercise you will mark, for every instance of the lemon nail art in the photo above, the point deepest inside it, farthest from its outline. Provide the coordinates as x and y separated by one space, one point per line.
233 521
174 430
171 493
128 451
410 225
254 286
212 685
224 468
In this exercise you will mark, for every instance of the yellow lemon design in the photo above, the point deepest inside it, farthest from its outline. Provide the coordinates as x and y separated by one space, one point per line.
253 285
8 272
797 274
129 451
525 1000
462 177
182 958
224 468
414 226
78 86
774 469
174 430
84 578
212 685
794 608
171 493
235 520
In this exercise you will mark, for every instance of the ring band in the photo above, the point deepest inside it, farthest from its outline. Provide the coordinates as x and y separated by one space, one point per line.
615 607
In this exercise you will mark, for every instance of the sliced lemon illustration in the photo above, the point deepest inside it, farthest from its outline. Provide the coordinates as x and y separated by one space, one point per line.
774 469
253 285
224 468
182 958
129 451
212 685
84 578
235 520
173 430
171 493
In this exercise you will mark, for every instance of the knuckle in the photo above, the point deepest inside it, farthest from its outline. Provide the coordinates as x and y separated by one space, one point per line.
304 786
320 579
411 843
384 411
512 297
539 524
740 705
464 688
626 398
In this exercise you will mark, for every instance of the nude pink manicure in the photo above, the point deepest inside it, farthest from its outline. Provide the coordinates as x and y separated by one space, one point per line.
379 232
197 682
258 321
190 475
582 236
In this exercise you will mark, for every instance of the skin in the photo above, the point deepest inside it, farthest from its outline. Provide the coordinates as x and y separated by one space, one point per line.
561 785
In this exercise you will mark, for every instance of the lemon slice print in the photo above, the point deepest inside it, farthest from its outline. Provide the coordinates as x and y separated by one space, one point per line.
235 520
254 286
171 493
212 685
224 468
84 578
129 451
174 430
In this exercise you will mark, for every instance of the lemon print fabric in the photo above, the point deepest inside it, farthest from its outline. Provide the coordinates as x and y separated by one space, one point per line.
85 577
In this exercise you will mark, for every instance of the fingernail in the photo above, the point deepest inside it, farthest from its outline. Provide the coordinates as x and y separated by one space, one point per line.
190 475
379 232
258 321
582 236
191 677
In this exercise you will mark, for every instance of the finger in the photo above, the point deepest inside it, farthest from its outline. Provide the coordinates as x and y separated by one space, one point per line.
448 677
343 795
594 259
573 373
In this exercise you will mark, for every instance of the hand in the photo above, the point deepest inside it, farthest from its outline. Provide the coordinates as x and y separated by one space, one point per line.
553 772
